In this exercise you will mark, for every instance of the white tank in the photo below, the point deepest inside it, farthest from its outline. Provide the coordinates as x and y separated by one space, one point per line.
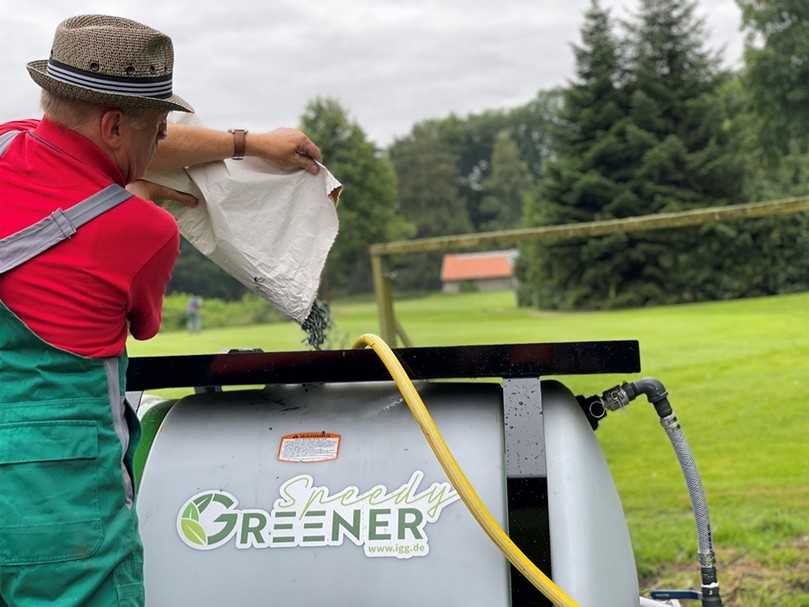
312 495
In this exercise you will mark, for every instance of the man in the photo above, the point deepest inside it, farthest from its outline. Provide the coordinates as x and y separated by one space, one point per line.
193 314
84 260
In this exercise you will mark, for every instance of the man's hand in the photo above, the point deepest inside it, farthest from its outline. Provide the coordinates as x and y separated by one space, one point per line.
285 148
155 192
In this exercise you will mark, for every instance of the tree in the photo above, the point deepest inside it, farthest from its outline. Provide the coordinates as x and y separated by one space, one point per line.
446 164
688 159
530 127
774 248
470 140
643 131
195 274
505 187
368 206
777 68
473 139
586 179
428 195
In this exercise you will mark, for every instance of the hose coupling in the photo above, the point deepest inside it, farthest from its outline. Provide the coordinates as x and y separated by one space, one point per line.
615 398
710 595
710 584
707 559
655 393
670 422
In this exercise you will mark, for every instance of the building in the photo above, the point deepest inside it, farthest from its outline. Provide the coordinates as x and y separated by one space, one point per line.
490 271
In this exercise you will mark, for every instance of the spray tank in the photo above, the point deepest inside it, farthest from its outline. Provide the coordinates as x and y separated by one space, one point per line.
319 487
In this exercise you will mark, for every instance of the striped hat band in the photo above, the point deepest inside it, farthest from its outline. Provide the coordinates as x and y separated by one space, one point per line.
158 87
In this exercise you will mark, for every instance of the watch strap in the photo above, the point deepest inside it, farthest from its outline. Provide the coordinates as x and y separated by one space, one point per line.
239 143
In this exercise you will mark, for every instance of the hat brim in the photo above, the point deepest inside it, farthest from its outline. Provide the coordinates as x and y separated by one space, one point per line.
39 74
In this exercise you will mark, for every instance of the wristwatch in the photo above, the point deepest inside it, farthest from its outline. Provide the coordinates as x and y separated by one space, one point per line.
239 143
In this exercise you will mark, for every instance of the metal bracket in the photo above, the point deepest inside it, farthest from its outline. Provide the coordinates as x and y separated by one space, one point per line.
524 428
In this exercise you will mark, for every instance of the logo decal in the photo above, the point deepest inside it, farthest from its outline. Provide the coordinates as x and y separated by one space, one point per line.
384 523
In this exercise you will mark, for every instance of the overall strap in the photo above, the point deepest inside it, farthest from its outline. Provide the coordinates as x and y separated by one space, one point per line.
60 225
6 139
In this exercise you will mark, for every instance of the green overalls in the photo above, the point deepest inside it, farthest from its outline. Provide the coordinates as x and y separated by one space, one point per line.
68 528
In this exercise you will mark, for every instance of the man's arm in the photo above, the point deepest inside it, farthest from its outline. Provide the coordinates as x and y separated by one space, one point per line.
145 296
186 145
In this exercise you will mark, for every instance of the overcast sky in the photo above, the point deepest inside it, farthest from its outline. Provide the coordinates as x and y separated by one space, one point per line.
255 63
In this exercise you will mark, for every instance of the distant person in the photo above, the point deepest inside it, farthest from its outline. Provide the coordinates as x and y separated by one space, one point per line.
193 314
84 260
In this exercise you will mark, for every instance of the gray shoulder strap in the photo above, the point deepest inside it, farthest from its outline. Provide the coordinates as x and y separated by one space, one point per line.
6 139
60 225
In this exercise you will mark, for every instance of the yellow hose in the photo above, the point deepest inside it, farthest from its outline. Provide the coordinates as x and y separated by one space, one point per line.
457 477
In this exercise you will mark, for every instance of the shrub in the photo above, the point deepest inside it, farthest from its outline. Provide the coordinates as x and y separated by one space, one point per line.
249 310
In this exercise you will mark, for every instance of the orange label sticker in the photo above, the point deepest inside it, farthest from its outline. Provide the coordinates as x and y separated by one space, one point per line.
309 447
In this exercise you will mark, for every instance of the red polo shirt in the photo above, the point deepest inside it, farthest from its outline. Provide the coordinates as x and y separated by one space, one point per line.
82 294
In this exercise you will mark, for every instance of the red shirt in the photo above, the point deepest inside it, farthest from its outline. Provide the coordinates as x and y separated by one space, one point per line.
81 294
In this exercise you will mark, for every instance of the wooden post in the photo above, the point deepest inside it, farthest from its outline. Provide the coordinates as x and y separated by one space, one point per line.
384 301
403 335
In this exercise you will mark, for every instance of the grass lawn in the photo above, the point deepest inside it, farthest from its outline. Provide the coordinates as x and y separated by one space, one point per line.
737 373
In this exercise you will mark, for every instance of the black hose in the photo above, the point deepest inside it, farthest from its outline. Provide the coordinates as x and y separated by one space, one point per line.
655 392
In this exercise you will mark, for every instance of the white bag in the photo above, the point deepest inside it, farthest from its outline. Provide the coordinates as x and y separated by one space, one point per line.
271 230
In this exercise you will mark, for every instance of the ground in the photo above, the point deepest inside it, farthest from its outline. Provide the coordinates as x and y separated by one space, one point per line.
737 373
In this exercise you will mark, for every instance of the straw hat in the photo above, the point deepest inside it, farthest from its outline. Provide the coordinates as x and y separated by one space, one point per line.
110 61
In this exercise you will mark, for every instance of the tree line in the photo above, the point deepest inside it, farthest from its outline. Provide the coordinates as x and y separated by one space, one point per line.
650 122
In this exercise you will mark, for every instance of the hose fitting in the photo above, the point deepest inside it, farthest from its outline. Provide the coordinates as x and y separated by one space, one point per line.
615 398
619 397
655 392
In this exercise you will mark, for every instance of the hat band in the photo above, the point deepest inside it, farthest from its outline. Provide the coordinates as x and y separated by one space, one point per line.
158 88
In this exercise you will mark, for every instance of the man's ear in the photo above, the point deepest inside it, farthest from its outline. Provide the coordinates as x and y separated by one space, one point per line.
111 127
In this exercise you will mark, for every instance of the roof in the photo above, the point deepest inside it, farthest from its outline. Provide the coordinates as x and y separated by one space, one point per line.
478 266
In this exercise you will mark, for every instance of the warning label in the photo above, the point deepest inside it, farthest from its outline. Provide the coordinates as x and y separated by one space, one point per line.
309 447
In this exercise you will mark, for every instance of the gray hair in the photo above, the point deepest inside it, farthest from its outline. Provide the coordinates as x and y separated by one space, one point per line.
73 113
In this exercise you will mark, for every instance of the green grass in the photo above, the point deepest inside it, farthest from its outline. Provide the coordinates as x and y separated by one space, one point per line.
737 373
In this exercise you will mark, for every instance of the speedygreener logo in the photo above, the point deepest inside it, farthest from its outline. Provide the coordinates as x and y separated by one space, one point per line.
385 523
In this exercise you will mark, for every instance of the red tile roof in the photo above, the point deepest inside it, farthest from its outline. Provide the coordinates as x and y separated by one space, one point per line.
477 266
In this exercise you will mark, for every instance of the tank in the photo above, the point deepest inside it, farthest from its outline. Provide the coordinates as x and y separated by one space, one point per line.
300 494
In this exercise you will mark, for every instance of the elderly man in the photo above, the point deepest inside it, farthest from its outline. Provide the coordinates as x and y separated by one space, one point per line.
84 260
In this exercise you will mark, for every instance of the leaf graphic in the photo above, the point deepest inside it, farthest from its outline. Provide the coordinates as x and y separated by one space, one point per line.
203 501
221 498
191 512
193 532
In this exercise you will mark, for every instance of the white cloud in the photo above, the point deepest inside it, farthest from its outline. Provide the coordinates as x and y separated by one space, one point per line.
256 63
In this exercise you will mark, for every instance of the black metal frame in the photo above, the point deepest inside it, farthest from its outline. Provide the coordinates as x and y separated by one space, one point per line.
512 361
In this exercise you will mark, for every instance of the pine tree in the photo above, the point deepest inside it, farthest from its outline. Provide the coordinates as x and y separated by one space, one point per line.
587 178
687 159
643 132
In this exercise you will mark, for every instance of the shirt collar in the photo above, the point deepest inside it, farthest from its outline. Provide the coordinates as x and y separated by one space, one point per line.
79 147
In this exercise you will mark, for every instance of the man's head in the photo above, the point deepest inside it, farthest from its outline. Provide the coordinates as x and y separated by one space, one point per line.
128 135
110 79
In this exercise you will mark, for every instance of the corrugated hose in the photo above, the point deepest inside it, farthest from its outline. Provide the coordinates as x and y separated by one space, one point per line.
457 477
